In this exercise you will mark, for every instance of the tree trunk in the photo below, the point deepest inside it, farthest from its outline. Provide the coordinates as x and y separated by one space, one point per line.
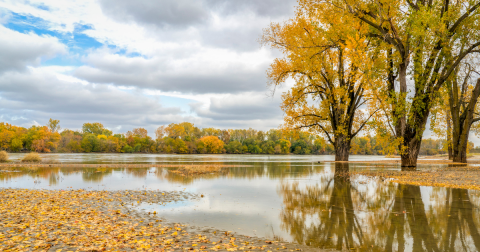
342 148
402 118
460 156
409 158
449 136
462 123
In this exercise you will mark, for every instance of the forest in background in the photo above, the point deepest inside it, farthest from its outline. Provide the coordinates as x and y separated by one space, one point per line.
185 138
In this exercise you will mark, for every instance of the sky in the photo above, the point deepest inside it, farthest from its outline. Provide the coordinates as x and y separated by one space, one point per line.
140 63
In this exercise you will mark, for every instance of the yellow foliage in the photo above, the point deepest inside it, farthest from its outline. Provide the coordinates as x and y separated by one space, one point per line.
3 156
212 144
102 137
32 157
329 57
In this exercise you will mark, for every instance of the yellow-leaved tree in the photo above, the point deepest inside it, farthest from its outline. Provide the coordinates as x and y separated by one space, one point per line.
212 144
329 58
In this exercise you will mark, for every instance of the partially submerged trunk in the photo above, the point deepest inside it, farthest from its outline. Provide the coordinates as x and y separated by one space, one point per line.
409 158
462 118
460 153
342 148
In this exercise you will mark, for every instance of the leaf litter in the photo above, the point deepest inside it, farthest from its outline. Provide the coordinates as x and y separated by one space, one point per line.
80 220
466 177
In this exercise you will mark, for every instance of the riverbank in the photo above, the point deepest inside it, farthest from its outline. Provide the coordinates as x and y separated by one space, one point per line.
420 161
101 220
466 177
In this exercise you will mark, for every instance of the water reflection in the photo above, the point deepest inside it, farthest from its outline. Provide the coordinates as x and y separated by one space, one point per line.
95 174
333 214
323 215
320 205
462 220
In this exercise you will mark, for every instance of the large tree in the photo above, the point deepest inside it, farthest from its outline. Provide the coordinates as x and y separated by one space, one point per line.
458 108
327 57
423 41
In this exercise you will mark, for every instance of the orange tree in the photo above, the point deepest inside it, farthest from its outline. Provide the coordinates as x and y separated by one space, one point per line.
328 57
212 144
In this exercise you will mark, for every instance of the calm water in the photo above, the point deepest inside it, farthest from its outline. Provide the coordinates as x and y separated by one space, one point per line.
290 198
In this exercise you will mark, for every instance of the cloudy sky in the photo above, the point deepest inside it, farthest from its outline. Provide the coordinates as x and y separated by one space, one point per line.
141 63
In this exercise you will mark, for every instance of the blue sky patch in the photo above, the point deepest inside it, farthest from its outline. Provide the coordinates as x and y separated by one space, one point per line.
77 42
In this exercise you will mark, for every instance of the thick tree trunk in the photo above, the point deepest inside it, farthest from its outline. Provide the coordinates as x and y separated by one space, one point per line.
460 155
409 159
342 148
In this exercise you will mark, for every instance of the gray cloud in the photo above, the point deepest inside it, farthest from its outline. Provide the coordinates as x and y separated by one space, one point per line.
184 13
243 106
18 50
162 74
161 13
27 96
217 23
269 8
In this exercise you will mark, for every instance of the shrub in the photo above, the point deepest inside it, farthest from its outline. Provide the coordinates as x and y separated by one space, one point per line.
3 156
32 157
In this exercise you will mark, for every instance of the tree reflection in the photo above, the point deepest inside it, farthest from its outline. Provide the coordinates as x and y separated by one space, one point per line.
338 226
256 170
460 222
410 209
336 214
95 174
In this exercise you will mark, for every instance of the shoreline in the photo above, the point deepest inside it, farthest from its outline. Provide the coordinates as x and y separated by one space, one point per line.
114 165
461 177
420 161
103 220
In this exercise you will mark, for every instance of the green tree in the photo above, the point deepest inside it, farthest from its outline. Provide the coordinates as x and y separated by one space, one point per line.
93 128
234 147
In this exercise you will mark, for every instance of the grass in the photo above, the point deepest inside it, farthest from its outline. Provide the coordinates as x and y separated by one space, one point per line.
32 157
3 156
197 169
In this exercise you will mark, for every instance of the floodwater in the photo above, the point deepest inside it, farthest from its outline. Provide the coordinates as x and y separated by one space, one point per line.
288 198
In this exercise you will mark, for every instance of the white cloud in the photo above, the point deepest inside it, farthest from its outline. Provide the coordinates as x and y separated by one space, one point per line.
19 50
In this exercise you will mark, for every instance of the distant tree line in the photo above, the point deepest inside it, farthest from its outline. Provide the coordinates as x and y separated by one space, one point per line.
185 138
